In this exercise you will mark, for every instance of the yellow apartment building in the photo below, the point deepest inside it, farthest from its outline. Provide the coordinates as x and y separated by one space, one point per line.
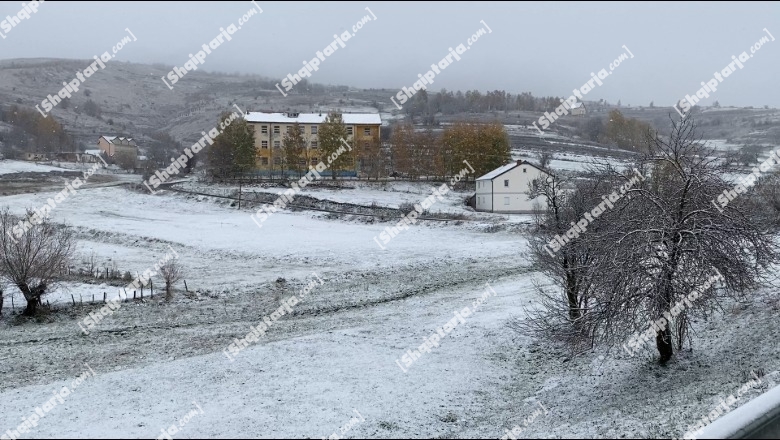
270 128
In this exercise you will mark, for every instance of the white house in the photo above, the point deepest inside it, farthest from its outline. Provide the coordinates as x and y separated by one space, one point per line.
578 109
506 189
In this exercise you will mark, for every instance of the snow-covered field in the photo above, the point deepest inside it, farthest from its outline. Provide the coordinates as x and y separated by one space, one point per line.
18 166
336 352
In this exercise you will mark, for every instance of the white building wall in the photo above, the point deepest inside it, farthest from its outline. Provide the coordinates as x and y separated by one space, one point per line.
509 191
484 195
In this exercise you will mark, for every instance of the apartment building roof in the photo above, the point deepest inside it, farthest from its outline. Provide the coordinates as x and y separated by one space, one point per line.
312 118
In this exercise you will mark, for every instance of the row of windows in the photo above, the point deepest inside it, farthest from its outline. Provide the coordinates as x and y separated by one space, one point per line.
481 200
301 162
277 129
314 144
278 144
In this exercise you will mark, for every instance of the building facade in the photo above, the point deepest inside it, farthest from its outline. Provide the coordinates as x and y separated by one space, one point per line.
270 129
507 189
578 109
111 145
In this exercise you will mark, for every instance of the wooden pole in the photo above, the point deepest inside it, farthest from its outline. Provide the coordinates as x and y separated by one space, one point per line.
185 286
104 297
73 298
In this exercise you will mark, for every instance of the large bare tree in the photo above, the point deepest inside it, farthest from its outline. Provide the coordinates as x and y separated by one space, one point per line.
668 238
665 239
564 253
34 260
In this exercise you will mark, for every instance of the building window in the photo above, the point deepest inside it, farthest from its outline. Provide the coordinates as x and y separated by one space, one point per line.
366 145
277 144
506 200
289 129
264 129
276 129
263 161
315 160
523 169
349 131
314 145
349 161
367 131
506 182
277 160
302 162
303 129
264 144
313 129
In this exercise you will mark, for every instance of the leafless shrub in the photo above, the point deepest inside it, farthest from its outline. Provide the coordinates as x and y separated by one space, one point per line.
171 272
34 260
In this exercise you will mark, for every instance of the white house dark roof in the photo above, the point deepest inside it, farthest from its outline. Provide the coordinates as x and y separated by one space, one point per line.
577 105
312 118
501 170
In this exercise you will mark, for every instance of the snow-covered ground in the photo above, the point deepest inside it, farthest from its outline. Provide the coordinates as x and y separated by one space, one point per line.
337 351
18 166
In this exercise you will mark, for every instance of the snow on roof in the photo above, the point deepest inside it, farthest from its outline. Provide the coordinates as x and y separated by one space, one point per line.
312 118
498 171
111 139
501 170
576 105
93 152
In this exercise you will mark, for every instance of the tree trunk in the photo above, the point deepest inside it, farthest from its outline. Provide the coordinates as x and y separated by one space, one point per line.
571 296
32 296
663 341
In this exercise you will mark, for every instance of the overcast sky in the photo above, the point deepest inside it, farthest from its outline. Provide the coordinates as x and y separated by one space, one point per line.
544 48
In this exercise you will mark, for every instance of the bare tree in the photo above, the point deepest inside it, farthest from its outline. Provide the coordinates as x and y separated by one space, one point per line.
667 238
663 239
171 272
33 260
544 159
563 254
